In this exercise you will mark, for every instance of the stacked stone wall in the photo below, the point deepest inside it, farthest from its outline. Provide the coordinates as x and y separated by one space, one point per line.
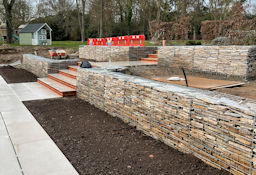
41 67
227 60
115 53
217 128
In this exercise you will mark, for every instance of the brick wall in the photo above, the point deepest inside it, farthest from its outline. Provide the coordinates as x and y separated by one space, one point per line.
217 128
227 60
115 53
41 66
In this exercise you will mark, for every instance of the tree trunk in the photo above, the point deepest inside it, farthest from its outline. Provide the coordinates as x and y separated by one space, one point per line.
101 20
82 23
194 33
158 12
78 14
8 13
129 16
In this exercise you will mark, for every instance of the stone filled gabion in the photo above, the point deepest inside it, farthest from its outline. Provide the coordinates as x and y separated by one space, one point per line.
114 53
41 67
215 127
237 61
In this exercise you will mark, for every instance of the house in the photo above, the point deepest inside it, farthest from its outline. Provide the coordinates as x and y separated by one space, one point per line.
36 34
3 31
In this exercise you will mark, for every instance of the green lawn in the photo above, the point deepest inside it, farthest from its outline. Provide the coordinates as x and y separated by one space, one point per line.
76 44
65 44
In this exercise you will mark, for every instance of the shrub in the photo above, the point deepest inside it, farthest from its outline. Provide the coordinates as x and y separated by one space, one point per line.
192 42
250 39
221 41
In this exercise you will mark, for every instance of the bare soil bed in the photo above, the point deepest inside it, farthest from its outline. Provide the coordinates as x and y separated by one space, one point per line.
15 75
97 143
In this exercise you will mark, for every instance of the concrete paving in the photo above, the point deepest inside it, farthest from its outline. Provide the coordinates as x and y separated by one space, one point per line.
25 148
32 91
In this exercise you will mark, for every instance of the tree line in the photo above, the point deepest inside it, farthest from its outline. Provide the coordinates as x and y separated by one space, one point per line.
81 19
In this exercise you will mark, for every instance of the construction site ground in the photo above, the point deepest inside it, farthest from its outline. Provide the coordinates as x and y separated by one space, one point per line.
245 89
9 54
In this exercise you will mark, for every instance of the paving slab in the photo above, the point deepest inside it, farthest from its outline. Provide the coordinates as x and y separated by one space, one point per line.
8 162
27 149
32 91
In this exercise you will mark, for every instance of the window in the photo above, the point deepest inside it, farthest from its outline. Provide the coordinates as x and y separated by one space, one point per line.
42 37
43 31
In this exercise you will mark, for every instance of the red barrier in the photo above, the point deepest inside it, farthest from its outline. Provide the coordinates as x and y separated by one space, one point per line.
123 41
112 41
137 40
91 41
100 42
134 40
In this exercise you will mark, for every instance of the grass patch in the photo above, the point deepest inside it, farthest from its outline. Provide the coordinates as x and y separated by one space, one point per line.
58 44
75 44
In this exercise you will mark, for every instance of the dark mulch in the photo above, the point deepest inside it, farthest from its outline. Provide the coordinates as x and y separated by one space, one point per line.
15 75
97 143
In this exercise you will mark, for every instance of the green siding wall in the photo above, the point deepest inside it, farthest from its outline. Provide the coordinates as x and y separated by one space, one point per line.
25 38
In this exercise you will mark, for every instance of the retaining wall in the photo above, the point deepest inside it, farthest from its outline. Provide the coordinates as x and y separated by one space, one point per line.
217 128
41 66
227 60
115 53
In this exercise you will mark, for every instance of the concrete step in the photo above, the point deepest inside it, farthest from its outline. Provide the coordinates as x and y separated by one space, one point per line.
67 81
68 73
152 56
73 68
149 59
57 87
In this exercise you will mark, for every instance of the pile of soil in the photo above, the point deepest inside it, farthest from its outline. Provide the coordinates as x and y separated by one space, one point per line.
15 75
97 143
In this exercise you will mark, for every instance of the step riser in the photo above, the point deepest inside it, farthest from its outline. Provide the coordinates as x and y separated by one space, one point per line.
49 87
152 56
148 59
72 69
68 75
63 94
62 82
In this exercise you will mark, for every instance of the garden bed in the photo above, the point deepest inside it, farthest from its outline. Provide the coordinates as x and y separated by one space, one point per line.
97 143
15 75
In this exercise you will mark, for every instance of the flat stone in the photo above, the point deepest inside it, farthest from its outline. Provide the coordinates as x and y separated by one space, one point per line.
46 158
8 161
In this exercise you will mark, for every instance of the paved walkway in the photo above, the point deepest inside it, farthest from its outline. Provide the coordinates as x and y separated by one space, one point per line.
25 148
32 91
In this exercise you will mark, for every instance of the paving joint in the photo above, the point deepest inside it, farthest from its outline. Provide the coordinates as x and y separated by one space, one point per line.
9 137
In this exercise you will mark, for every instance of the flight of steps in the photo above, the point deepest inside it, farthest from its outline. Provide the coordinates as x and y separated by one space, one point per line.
63 83
151 57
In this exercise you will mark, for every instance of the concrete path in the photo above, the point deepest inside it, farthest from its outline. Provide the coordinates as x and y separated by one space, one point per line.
32 91
25 148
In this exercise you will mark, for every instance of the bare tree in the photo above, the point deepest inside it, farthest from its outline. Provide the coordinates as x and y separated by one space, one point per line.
80 4
8 4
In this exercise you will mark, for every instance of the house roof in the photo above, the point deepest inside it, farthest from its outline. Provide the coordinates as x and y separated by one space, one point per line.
31 28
